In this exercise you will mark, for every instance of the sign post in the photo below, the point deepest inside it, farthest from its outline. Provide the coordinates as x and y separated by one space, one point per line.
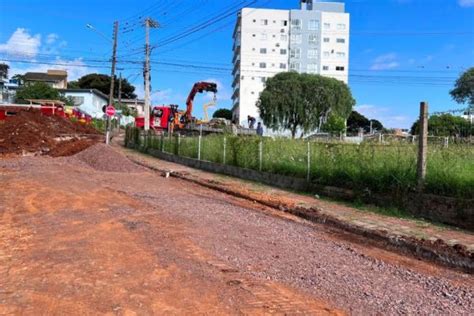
109 111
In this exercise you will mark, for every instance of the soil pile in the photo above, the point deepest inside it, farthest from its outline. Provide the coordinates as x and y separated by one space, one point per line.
103 158
32 132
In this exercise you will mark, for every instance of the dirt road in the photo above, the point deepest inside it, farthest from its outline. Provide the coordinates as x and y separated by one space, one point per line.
77 240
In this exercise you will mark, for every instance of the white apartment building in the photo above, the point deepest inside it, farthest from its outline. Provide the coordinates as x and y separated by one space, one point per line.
312 39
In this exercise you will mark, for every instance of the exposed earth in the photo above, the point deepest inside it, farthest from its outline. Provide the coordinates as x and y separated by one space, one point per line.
94 233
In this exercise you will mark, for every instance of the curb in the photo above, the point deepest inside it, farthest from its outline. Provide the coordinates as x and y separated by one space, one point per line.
456 256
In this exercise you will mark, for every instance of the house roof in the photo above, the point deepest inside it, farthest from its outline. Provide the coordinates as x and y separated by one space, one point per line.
94 91
41 76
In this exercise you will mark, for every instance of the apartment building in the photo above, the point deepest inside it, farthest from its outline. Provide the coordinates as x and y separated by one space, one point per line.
312 39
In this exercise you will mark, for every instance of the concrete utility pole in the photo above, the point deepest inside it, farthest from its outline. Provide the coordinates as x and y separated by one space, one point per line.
120 100
422 146
112 79
149 23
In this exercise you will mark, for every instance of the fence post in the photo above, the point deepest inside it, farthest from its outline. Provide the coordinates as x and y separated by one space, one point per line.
380 138
308 175
260 155
225 145
446 142
422 146
162 145
199 142
179 143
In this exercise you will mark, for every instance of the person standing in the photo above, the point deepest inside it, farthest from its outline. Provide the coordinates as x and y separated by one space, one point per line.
251 121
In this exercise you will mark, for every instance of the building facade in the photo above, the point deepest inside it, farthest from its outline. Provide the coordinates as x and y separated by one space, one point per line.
313 39
90 101
54 78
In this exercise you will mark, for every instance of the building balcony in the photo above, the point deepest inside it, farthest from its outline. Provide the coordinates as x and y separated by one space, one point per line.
236 94
236 56
236 80
236 68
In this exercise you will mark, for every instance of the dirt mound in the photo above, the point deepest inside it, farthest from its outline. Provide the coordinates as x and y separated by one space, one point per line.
32 132
72 147
103 158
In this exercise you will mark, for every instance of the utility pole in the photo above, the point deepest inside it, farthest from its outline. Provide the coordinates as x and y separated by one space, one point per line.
112 79
120 100
149 23
422 146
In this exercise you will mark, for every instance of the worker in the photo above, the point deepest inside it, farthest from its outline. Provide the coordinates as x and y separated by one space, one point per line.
251 121
259 129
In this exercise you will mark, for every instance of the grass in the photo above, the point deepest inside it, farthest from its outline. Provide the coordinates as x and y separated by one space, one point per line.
366 168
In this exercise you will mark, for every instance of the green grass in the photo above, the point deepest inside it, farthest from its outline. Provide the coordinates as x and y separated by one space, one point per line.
366 168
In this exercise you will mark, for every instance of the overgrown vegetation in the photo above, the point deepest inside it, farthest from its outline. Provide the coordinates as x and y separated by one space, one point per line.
366 168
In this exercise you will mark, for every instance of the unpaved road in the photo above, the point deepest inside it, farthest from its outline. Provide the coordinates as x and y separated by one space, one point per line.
75 240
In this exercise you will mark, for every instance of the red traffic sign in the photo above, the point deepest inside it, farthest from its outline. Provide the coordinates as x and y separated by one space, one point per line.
110 110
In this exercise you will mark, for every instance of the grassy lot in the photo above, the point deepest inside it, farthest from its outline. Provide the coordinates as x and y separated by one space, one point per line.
382 168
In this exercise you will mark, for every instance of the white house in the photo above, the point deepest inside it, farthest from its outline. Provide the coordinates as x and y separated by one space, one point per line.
90 101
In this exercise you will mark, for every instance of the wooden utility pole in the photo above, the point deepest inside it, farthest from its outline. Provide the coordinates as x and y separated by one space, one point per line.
422 146
149 23
112 79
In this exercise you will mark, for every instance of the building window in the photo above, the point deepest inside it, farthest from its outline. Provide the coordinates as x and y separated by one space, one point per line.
296 38
312 53
296 24
263 50
253 49
341 54
341 26
263 22
313 25
340 40
313 39
327 26
326 54
326 40
254 21
263 36
295 66
274 36
325 67
282 51
312 68
295 53
263 65
284 23
264 79
339 68
282 66
283 37
253 35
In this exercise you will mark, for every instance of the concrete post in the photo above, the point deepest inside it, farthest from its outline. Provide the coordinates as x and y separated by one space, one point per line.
422 146
260 155
224 153
308 175
199 142
179 144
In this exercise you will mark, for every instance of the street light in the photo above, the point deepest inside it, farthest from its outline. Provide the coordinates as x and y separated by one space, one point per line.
92 28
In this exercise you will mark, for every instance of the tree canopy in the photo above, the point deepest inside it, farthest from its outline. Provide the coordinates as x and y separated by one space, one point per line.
223 113
102 83
293 101
445 125
463 91
4 71
38 90
357 121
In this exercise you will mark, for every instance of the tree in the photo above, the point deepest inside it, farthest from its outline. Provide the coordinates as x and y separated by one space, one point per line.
73 85
356 121
463 91
335 125
102 83
293 101
4 71
20 79
377 125
38 90
223 113
445 125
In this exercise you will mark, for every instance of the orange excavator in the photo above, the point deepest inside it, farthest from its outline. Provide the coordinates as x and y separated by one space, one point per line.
199 87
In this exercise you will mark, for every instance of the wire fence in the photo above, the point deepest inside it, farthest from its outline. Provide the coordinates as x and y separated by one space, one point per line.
389 166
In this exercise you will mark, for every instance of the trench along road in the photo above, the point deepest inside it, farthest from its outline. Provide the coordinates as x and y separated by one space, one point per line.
77 240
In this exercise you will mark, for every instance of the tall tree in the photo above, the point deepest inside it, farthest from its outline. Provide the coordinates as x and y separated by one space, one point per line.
463 91
293 101
356 121
4 71
102 83
446 125
223 113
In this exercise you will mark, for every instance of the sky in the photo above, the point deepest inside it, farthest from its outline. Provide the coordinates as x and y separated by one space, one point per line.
401 51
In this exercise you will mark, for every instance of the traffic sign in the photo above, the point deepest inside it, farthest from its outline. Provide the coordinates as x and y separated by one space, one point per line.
110 111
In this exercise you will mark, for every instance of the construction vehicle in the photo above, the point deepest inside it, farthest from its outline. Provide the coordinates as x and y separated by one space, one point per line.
170 118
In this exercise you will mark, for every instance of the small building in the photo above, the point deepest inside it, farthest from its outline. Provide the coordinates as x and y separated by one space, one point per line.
134 104
90 101
8 90
54 78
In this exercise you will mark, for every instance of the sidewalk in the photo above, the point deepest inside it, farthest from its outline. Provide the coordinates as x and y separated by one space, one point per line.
446 244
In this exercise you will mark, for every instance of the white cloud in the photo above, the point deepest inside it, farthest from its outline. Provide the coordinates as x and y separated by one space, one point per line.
51 38
385 115
22 43
466 3
384 62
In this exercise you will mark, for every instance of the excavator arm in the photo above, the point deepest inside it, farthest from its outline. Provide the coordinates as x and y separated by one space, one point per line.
199 87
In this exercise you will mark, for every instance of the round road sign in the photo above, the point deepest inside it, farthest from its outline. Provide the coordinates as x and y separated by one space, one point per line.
110 111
